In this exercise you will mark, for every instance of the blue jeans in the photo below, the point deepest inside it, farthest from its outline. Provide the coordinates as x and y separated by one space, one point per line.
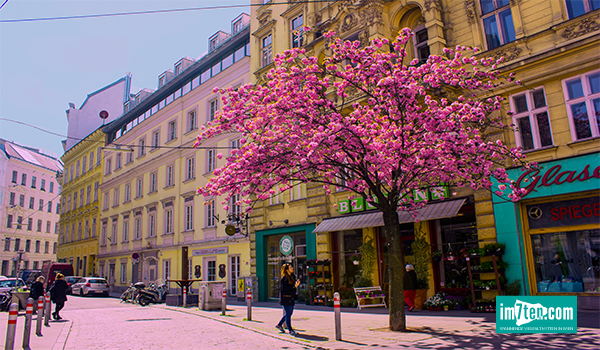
287 317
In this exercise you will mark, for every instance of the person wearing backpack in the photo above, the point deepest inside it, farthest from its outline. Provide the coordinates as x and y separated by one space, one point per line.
58 294
37 290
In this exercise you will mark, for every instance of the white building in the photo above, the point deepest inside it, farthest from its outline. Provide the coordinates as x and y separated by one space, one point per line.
29 207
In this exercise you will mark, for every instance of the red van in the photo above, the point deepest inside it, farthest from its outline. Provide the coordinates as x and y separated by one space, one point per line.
51 269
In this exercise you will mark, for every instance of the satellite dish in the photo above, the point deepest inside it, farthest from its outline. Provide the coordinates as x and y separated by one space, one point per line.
103 114
230 230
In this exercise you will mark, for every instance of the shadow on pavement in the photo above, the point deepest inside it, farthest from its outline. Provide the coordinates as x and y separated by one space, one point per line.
311 337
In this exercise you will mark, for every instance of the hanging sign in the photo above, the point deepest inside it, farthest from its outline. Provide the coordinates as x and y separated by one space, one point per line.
286 245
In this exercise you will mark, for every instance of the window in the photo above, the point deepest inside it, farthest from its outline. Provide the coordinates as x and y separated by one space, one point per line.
152 225
31 201
108 166
497 22
169 221
57 208
129 157
211 160
178 69
79 231
22 201
235 205
297 31
190 172
75 200
189 217
94 225
171 131
139 188
155 139
84 165
39 225
113 232
115 197
142 149
19 222
88 194
42 185
49 207
192 121
28 246
211 270
17 244
235 144
126 230
38 246
9 220
237 26
86 230
169 176
166 269
91 160
213 107
14 177
210 213
266 55
152 184
41 204
582 94
161 81
123 275
51 190
138 227
46 247
421 45
579 7
77 169
214 43
96 191
24 179
118 161
127 193
105 202
12 198
6 244
71 170
103 235
48 225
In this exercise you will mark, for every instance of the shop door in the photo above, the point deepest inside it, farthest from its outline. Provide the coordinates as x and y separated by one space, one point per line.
234 273
407 237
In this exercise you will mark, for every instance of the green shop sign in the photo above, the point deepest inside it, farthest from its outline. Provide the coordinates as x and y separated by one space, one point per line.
356 205
286 245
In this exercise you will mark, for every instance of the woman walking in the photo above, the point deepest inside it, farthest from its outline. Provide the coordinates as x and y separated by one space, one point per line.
37 290
287 295
58 294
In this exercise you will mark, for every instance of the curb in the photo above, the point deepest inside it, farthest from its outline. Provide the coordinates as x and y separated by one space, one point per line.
304 343
61 341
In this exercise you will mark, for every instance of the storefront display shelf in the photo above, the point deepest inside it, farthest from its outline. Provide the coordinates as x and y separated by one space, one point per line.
319 282
493 286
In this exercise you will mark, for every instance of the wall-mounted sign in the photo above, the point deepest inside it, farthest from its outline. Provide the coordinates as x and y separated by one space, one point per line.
431 193
564 213
532 179
286 245
211 251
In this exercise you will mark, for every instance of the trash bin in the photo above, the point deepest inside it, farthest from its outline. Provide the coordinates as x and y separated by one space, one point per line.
210 295
245 283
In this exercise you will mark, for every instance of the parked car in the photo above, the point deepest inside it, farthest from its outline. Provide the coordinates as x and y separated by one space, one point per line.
71 280
90 286
6 285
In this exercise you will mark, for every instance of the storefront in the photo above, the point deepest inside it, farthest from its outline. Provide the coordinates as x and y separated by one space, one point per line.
556 227
275 247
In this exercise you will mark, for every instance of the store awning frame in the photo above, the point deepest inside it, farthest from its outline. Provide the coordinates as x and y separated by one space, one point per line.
433 211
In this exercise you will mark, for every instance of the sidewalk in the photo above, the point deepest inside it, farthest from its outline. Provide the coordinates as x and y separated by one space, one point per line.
367 329
53 337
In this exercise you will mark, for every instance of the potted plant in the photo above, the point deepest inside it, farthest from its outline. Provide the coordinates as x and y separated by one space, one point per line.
355 258
422 253
437 256
446 304
494 248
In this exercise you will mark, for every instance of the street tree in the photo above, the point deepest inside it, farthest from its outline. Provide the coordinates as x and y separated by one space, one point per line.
365 120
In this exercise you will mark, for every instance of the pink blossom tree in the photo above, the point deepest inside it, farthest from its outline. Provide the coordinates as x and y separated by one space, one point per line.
397 131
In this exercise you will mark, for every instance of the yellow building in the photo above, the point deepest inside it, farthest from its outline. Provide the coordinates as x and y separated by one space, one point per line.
150 209
79 216
550 45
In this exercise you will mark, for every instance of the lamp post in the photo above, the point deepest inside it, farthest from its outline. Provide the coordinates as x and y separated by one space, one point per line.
18 258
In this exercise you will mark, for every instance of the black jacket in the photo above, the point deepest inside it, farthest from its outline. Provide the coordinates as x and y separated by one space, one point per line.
37 290
410 280
287 291
58 291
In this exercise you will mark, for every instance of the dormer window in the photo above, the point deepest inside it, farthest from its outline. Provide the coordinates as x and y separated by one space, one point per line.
214 43
237 26
178 69
161 81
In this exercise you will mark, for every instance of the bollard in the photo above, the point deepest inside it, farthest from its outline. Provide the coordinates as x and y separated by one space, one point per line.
184 296
27 328
48 310
224 302
249 304
337 312
40 315
12 327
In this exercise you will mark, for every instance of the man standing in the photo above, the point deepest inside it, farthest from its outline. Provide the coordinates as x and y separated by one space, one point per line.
410 287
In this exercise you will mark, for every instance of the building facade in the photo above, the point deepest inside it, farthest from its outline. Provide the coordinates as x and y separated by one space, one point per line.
29 207
150 211
548 44
80 214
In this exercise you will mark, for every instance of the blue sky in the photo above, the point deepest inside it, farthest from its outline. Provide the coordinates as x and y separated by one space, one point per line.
45 65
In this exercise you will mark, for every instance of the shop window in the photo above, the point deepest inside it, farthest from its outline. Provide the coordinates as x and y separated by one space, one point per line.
275 259
497 22
577 8
582 95
567 262
531 120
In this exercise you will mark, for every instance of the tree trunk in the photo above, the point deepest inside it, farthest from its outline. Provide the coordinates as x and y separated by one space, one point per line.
396 271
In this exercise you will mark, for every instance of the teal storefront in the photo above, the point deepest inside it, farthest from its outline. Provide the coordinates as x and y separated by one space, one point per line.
555 227
270 255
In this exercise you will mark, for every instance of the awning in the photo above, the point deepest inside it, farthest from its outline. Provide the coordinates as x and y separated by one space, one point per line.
445 209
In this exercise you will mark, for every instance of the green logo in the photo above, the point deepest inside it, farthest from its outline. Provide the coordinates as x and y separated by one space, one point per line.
536 314
286 245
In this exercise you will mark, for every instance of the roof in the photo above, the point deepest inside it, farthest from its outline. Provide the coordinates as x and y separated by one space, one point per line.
32 156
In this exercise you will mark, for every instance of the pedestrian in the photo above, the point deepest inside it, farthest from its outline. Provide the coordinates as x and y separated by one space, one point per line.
37 290
287 297
410 287
58 294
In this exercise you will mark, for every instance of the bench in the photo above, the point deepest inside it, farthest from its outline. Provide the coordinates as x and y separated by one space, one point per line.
369 293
